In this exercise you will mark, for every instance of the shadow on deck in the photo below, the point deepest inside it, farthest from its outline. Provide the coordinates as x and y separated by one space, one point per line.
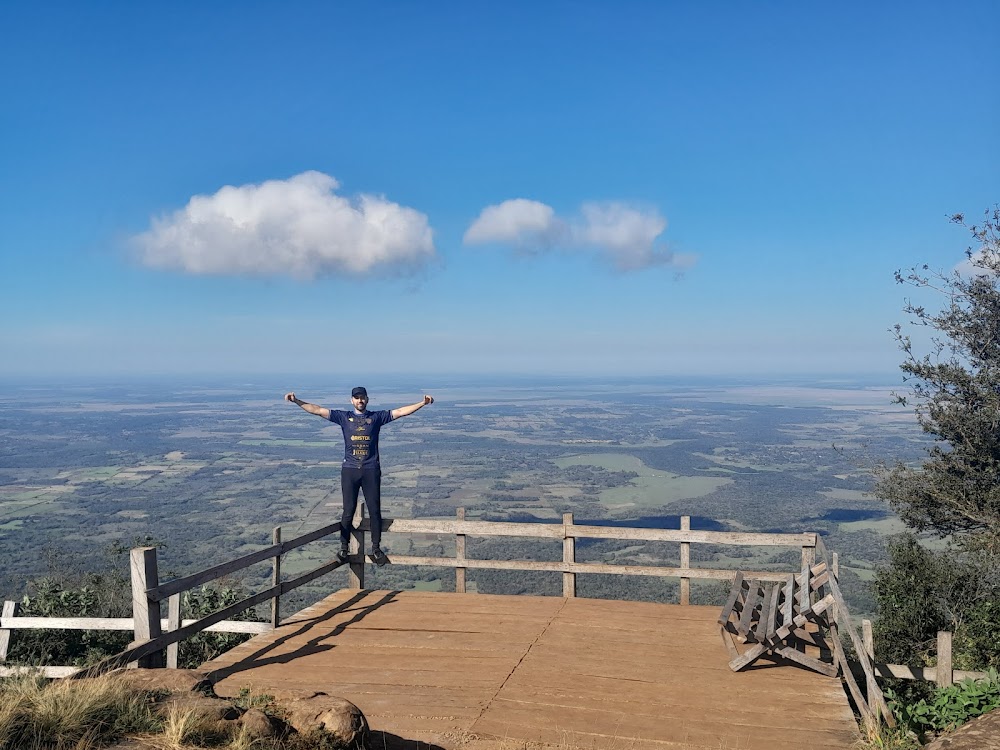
460 670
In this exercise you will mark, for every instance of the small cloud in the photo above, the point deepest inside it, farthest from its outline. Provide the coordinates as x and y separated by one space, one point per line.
518 222
298 227
983 262
624 235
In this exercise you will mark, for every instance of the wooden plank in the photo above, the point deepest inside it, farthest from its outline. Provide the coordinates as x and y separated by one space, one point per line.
944 675
276 577
8 612
53 672
356 573
903 672
161 592
843 612
173 622
121 623
555 531
753 599
727 640
789 611
685 562
804 587
735 592
578 568
143 649
810 616
145 610
569 555
840 659
771 624
868 638
830 670
459 555
749 657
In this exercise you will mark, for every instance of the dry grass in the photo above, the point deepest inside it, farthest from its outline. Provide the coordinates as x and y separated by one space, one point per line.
882 737
64 714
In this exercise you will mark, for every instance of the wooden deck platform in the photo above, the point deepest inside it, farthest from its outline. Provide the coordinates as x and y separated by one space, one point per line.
444 669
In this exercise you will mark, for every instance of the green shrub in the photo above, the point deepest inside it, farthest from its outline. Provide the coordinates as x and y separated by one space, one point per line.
949 707
107 593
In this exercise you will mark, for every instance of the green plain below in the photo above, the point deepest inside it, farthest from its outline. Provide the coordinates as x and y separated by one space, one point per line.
651 489
883 526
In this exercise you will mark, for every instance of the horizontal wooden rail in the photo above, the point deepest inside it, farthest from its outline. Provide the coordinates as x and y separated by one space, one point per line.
942 673
151 646
929 674
561 567
51 672
119 623
561 531
159 593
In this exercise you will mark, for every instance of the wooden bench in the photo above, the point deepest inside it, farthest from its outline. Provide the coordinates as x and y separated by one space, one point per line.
780 620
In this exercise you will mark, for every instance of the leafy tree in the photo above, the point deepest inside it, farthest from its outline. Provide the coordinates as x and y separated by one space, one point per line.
955 491
955 389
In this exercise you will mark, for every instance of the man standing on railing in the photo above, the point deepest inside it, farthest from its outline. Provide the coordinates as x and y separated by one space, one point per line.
361 469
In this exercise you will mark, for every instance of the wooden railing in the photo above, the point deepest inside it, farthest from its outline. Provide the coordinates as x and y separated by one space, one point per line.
943 674
870 704
568 532
154 634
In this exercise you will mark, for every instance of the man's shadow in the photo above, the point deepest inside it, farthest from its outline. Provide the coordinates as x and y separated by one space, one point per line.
313 646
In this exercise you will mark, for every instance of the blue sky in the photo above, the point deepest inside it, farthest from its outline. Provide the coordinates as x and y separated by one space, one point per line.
599 189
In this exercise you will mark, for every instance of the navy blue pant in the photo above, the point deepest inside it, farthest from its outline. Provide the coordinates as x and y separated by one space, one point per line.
368 481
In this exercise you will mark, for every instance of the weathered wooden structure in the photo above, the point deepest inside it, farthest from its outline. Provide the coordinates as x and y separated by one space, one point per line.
773 615
463 671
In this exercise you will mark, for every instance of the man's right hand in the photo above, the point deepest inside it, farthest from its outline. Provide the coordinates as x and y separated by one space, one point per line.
290 397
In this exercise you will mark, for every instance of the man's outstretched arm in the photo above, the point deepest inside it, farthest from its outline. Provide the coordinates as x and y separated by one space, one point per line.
319 411
405 411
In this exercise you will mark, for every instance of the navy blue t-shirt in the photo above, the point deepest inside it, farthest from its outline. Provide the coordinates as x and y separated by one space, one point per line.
360 436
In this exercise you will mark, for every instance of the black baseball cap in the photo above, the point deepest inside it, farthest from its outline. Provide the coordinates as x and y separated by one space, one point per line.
358 392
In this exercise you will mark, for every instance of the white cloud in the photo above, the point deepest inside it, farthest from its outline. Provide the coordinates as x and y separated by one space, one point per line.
983 262
625 235
298 227
519 222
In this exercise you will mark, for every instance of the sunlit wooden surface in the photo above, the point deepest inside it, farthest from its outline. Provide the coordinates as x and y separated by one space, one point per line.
451 670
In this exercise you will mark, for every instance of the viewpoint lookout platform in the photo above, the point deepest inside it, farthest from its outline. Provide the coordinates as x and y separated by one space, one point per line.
443 669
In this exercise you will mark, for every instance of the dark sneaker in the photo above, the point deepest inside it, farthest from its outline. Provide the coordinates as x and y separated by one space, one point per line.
377 556
342 555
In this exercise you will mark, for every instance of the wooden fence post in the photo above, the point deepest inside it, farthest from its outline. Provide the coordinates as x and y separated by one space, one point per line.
9 610
945 676
145 613
868 637
276 578
569 555
460 554
685 562
835 564
173 623
356 575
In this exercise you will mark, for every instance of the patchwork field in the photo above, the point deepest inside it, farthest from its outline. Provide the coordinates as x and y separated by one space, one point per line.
209 470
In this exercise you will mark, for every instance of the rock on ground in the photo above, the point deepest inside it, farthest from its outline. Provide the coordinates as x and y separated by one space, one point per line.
982 733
